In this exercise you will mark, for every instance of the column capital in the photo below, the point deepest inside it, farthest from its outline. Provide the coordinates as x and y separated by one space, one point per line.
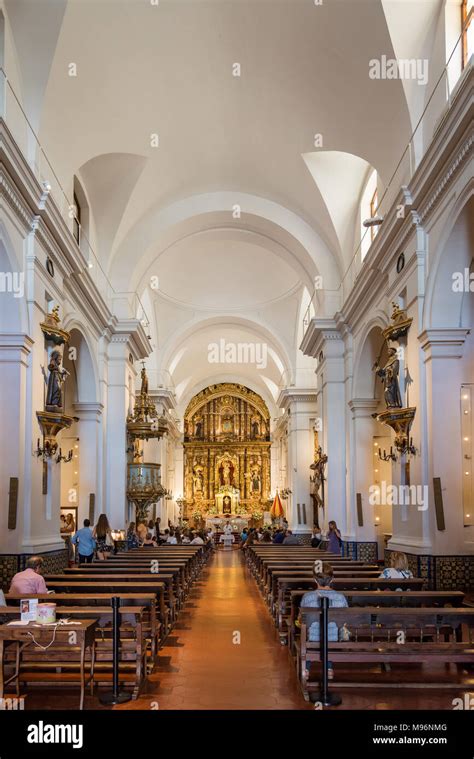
89 409
323 335
129 333
443 343
291 395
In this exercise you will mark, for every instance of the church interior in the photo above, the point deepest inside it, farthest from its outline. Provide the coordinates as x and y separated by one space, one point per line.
236 355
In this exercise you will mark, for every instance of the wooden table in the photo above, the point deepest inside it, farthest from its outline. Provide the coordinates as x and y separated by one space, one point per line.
21 637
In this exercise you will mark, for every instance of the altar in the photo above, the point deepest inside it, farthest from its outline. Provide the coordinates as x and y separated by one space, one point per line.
226 455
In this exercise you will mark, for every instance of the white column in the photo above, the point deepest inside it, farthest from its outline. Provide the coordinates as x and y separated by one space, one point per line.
302 406
120 369
90 461
332 407
362 465
15 440
441 447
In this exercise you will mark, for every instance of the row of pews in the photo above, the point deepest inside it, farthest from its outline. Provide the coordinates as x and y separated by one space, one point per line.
388 621
152 585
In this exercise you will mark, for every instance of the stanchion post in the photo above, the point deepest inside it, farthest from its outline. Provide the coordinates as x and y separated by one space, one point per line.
325 697
115 697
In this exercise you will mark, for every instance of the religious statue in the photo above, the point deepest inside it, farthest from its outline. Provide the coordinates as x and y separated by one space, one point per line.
198 429
255 427
255 481
226 505
144 387
226 473
318 478
55 380
389 375
198 480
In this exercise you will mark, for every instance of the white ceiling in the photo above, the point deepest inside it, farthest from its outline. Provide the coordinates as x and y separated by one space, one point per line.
168 211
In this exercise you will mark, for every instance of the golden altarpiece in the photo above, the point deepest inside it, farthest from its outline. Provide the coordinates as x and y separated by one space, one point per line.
227 453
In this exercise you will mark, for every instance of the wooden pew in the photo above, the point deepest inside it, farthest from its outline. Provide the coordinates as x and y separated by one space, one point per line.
379 598
116 588
151 618
282 583
132 644
168 579
431 635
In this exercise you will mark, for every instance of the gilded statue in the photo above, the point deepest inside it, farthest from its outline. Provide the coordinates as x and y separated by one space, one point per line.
144 387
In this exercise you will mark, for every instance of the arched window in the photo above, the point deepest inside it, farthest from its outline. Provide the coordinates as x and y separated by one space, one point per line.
467 15
368 209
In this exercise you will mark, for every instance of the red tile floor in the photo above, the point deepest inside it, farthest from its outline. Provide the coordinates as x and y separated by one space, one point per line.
202 666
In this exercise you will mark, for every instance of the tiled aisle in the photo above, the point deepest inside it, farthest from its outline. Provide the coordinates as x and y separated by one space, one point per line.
201 665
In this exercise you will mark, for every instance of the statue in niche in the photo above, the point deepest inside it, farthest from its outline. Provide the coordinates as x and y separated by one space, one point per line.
389 375
226 505
55 381
255 427
256 481
226 473
198 427
198 480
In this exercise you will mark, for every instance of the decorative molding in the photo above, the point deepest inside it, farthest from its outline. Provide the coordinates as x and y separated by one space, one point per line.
443 343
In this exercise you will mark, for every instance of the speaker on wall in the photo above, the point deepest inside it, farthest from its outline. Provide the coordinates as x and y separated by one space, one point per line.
92 508
360 515
438 501
12 503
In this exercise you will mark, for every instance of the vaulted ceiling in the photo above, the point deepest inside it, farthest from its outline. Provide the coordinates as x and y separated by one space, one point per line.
211 183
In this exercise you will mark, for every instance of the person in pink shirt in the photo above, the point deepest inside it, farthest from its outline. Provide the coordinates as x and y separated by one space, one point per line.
30 580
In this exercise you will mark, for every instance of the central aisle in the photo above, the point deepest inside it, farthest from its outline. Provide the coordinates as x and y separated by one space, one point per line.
201 667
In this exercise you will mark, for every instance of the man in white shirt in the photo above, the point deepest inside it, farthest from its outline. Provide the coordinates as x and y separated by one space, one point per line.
197 541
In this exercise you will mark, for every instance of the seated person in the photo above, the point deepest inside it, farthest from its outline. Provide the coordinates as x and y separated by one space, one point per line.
290 539
316 538
30 580
279 537
197 540
142 531
133 541
267 537
150 541
312 599
398 569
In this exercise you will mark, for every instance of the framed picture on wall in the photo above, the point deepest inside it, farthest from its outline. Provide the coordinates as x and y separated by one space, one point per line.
68 519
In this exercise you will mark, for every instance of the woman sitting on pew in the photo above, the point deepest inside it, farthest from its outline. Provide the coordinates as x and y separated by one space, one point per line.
132 537
103 534
323 576
398 569
150 541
